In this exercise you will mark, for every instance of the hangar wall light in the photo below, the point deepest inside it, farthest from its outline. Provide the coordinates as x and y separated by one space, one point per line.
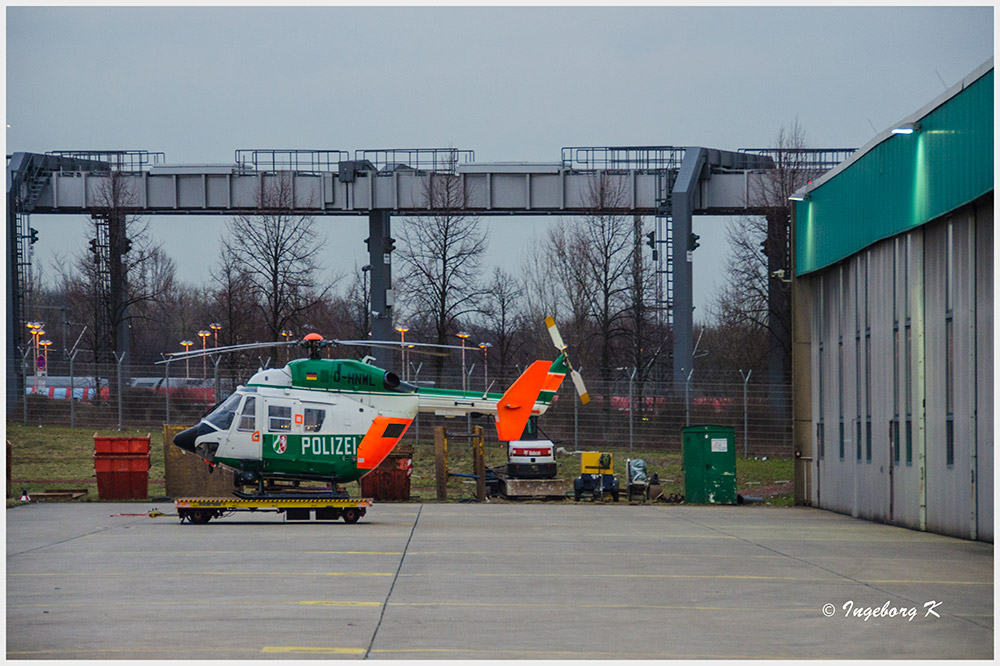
907 128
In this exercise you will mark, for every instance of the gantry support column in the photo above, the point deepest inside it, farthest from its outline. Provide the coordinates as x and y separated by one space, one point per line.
380 259
682 202
118 271
15 371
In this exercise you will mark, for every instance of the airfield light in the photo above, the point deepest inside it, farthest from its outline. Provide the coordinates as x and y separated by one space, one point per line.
45 351
36 330
39 334
402 343
485 346
287 334
203 334
216 327
187 367
464 336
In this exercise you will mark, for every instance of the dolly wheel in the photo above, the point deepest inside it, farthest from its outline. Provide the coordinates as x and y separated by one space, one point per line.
198 516
351 515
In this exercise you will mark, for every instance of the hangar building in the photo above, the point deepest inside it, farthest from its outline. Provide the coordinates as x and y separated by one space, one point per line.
893 323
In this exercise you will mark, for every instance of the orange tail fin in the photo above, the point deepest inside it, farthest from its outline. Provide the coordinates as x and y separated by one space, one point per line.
516 404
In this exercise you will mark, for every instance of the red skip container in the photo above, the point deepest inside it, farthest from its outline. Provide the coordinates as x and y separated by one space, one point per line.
122 467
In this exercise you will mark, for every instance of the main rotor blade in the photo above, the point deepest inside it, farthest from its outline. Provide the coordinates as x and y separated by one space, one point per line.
580 388
557 340
198 353
397 344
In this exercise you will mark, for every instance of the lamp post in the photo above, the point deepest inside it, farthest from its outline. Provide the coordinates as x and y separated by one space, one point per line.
187 363
464 336
287 335
402 344
45 355
216 327
35 329
203 334
485 346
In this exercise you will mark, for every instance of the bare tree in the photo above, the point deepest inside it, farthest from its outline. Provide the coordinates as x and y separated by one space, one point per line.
594 261
276 249
758 266
118 281
503 321
441 256
641 293
233 299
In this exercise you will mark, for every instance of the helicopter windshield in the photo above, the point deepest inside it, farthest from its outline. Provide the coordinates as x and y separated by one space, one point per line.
222 416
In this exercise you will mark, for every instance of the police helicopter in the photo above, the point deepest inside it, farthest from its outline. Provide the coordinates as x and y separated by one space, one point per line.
335 420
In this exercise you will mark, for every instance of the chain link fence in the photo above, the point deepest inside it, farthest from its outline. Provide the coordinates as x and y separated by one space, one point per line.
622 413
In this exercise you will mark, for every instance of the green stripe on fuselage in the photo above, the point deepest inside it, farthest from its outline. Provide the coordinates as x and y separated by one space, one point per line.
332 456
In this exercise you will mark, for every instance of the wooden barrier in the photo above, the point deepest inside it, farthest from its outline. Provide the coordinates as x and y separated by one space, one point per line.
188 475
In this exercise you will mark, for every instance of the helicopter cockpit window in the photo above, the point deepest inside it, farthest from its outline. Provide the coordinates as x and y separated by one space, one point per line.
314 419
247 421
279 417
222 416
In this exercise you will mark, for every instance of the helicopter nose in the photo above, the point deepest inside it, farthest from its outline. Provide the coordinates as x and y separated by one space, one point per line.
186 438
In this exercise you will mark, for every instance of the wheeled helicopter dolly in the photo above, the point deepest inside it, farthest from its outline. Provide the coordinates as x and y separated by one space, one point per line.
199 511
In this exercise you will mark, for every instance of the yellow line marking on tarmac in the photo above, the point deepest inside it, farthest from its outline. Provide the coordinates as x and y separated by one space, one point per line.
572 653
338 603
242 553
611 575
351 552
618 606
256 602
693 576
590 552
932 582
477 604
311 650
134 650
146 574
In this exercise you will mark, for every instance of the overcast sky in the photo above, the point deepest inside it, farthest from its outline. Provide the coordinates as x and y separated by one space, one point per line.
512 84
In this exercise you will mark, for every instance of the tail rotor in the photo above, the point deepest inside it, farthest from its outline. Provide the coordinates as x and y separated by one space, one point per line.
574 374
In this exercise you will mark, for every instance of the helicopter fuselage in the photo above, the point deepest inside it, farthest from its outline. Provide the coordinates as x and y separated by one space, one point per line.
334 419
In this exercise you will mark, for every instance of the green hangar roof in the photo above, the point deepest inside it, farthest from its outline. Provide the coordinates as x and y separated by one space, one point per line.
901 181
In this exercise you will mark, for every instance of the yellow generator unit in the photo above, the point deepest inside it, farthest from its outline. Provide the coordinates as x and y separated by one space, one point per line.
596 476
595 462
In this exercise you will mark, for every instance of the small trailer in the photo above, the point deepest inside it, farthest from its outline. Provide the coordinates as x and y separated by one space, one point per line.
199 511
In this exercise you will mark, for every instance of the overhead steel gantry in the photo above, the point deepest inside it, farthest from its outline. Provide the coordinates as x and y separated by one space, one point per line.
670 183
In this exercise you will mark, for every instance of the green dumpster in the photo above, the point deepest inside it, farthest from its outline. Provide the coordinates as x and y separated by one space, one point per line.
709 465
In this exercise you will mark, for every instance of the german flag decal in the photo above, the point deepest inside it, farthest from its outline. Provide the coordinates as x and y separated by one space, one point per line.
311 376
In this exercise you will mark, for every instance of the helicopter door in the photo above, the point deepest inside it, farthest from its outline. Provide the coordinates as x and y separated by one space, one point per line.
282 432
245 439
